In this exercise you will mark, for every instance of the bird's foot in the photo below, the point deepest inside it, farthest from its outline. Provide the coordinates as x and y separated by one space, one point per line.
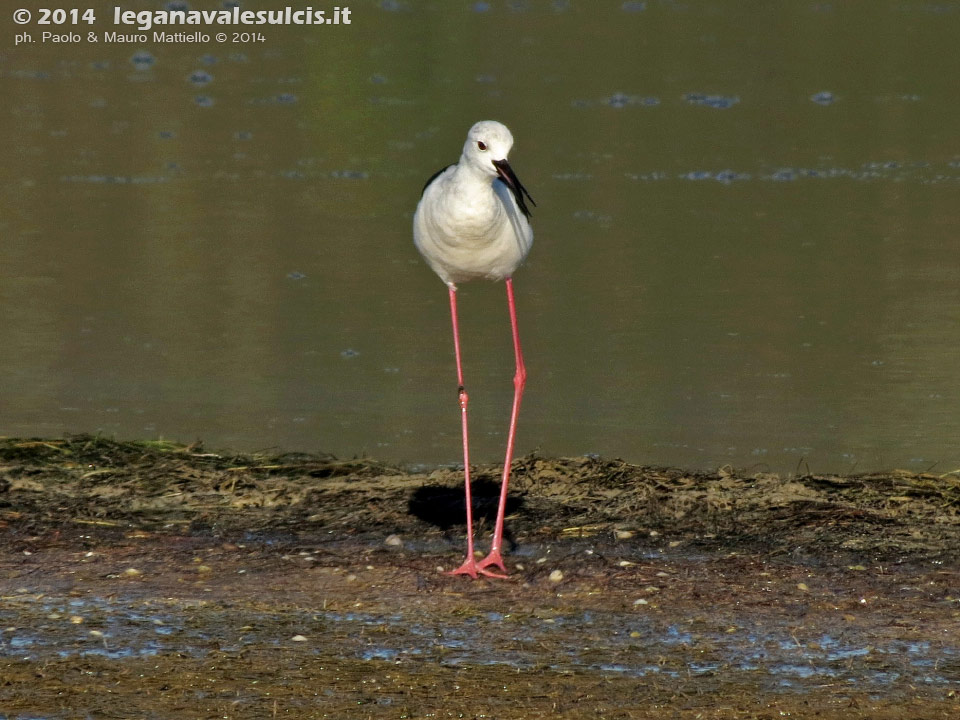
493 558
472 568
469 567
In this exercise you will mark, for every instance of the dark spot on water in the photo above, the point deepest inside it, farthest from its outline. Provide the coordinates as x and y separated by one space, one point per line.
378 79
167 134
243 135
633 6
591 216
31 74
728 176
177 5
238 57
142 60
392 101
720 102
230 4
393 5
295 275
200 78
617 100
100 65
486 79
349 174
518 5
480 7
698 175
824 97
209 59
349 353
784 175
112 179
656 175
203 101
282 99
621 100
560 5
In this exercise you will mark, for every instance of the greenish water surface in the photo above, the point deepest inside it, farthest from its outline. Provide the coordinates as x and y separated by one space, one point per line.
745 234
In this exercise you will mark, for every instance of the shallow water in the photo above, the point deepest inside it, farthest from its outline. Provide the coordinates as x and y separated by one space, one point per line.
745 234
627 644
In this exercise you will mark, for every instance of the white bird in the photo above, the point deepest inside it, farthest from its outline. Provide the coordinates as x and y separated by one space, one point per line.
472 222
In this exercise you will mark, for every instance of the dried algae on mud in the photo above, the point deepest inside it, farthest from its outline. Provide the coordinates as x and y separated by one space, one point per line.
84 479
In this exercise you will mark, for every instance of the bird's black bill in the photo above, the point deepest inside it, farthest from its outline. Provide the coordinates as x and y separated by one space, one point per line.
506 174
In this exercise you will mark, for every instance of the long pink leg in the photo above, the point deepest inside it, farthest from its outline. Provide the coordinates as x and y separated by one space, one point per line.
469 566
495 557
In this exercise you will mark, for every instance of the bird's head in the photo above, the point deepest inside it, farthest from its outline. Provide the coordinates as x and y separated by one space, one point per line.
488 143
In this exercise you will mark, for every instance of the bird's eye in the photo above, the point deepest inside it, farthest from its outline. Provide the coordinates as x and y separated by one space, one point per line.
482 145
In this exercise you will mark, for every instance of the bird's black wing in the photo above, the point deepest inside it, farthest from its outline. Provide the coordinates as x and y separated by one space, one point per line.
518 192
433 177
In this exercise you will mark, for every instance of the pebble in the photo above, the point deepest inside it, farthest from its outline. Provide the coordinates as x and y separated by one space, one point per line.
298 638
556 576
393 541
623 534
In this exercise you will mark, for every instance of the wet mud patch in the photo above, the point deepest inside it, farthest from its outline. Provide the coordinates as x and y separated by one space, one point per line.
156 580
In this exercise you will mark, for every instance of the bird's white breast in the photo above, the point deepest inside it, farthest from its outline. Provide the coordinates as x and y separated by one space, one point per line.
467 226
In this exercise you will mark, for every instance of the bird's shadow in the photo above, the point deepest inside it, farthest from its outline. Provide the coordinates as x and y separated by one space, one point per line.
446 507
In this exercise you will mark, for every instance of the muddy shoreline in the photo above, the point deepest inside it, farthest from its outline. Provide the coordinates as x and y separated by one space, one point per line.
156 580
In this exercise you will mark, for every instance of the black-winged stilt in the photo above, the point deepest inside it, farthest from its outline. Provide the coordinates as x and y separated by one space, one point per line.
473 222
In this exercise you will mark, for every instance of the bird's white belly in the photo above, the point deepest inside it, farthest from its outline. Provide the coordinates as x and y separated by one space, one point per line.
462 242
